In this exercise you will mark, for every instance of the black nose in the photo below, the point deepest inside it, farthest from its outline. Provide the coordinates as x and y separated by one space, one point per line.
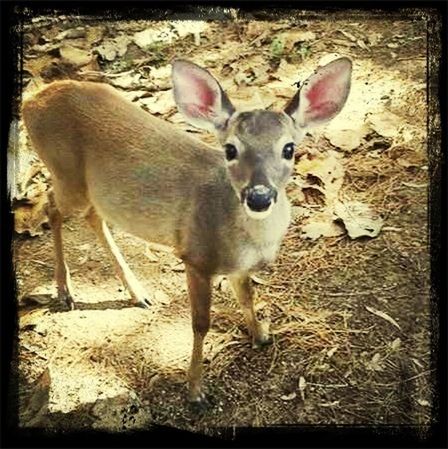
260 197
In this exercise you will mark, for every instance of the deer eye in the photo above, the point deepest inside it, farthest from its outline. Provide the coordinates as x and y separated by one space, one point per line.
231 151
288 151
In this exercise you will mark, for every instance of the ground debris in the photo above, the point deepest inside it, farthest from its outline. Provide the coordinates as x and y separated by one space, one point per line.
115 367
358 219
383 315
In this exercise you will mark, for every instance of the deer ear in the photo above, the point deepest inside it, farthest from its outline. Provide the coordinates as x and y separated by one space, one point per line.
199 97
323 95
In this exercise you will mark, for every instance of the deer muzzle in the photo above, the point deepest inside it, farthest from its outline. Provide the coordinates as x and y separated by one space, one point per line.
259 200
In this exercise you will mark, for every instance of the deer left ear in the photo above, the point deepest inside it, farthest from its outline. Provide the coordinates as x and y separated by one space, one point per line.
199 96
323 95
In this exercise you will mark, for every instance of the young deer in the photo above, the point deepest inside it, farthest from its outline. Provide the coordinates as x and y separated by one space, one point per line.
225 212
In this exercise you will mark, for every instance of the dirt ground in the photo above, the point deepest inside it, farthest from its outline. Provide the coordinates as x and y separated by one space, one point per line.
350 317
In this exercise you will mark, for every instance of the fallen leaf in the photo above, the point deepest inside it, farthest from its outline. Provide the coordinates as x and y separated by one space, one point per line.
222 283
417 363
395 344
328 169
259 280
145 38
375 363
332 351
260 305
385 123
72 33
302 387
315 229
151 256
330 404
358 219
126 81
159 247
423 402
110 49
161 297
177 266
348 35
135 94
286 72
75 56
30 214
290 38
288 397
383 315
159 103
346 139
362 44
185 27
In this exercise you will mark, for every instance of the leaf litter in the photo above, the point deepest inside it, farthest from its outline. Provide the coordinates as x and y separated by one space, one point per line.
351 167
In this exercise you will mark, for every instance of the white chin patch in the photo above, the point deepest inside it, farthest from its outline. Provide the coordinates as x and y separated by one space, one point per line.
258 215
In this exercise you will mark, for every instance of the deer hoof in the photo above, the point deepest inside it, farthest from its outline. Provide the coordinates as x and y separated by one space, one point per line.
143 303
66 299
262 341
199 402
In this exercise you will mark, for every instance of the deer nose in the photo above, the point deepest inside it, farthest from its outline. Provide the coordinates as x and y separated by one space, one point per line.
260 197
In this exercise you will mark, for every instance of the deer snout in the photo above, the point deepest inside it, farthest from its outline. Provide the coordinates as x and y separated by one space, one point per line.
259 200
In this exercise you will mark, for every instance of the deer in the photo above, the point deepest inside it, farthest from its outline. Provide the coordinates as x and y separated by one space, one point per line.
223 209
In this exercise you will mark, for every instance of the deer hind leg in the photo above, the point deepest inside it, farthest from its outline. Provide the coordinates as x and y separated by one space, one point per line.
245 293
62 273
139 296
199 289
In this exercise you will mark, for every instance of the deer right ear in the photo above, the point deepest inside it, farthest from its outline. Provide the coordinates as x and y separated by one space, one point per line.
199 97
323 95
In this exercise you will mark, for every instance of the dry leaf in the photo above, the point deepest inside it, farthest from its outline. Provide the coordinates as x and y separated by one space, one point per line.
159 247
177 266
315 229
302 387
185 27
72 33
75 56
259 280
395 344
288 397
358 219
383 315
151 256
348 35
415 186
167 33
332 351
375 363
222 283
290 38
330 404
286 72
159 103
385 123
328 168
161 297
346 139
126 81
110 49
30 215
